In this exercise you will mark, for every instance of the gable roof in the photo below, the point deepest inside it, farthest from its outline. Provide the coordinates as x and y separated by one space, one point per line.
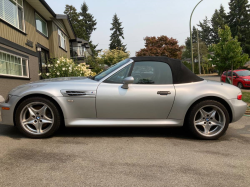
44 10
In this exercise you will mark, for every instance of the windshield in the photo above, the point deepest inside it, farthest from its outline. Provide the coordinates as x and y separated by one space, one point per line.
243 73
110 70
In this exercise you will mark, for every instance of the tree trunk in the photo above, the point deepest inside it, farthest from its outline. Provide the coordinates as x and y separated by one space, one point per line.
232 75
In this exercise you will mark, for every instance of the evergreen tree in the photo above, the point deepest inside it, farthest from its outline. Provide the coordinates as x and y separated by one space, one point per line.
238 20
77 24
117 34
205 32
88 21
218 21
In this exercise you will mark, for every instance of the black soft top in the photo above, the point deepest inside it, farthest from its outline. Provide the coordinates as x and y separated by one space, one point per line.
181 74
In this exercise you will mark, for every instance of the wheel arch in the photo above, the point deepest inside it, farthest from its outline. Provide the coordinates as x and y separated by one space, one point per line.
215 98
38 95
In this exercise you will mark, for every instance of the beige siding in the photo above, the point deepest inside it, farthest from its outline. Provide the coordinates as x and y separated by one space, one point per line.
7 84
11 34
60 24
55 50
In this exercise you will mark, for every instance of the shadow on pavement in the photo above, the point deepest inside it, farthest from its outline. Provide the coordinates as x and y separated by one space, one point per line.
162 132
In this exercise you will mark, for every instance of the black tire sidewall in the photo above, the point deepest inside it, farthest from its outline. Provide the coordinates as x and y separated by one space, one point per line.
241 85
193 111
51 104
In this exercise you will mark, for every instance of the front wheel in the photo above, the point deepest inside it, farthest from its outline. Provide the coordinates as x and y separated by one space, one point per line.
208 120
37 117
240 85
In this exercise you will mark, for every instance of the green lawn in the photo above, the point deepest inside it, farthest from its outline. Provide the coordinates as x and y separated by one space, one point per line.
246 96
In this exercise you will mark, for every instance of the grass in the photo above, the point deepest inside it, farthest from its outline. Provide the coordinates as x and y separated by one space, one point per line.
246 97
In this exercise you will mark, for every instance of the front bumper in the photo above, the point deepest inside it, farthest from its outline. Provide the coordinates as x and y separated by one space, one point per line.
6 116
239 108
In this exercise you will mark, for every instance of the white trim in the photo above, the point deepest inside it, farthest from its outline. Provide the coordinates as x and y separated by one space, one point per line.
21 59
23 21
46 25
62 35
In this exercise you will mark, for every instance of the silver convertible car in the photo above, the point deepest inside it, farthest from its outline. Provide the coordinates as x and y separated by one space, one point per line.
140 91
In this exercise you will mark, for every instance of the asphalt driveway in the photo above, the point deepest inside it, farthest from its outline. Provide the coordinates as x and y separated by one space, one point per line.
125 157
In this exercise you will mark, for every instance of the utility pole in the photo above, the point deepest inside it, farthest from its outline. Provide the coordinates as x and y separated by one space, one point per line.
191 39
199 57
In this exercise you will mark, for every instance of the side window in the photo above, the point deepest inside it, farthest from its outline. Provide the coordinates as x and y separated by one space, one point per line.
152 73
119 76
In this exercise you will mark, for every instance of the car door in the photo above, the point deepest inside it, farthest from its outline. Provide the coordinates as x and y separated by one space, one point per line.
151 96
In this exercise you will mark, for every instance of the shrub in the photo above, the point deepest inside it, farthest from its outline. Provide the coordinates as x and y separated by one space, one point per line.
64 67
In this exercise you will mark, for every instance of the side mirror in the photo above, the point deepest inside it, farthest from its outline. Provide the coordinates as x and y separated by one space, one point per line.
127 81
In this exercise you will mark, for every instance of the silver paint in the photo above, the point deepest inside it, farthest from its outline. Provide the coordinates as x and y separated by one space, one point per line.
109 104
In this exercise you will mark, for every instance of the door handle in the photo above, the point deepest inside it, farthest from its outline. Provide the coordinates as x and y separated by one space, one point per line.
164 92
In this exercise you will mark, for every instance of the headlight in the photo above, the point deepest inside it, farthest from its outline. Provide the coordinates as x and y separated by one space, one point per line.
246 79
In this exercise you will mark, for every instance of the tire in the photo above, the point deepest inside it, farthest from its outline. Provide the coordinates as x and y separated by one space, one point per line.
203 117
37 117
240 85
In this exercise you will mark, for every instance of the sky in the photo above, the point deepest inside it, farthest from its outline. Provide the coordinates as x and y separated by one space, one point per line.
141 18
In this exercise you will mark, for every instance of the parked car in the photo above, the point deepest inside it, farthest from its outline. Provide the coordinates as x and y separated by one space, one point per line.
172 96
241 78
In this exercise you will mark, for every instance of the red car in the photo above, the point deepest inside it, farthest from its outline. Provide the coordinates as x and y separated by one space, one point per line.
241 78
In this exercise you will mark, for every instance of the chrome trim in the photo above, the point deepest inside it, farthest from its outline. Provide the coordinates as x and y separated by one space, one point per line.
78 93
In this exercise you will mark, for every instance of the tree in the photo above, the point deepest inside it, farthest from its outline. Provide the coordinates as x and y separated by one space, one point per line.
111 57
205 31
88 21
117 34
161 46
228 52
238 20
77 24
218 21
83 24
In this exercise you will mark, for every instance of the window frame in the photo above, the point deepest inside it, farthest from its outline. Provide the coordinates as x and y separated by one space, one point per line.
61 34
36 14
17 18
21 58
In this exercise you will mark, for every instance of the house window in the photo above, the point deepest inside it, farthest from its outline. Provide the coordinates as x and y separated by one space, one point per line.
62 40
13 65
41 25
12 12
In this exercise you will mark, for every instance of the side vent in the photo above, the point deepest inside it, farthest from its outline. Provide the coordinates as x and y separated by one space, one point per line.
79 93
75 93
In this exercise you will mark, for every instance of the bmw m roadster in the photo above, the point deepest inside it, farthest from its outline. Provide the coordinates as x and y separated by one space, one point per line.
140 91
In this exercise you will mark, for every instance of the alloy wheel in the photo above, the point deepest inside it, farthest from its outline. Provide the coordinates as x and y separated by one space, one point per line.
240 86
37 118
209 120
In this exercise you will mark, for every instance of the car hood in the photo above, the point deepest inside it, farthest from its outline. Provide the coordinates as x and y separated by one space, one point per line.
54 85
61 79
245 77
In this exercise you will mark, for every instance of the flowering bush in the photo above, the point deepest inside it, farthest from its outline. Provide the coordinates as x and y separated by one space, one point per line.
64 67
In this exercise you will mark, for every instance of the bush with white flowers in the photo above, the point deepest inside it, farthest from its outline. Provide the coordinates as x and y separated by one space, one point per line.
64 67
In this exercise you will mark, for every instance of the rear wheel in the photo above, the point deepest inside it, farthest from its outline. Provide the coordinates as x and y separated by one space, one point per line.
208 120
240 85
37 117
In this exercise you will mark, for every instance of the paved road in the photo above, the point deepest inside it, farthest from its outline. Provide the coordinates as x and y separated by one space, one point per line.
126 157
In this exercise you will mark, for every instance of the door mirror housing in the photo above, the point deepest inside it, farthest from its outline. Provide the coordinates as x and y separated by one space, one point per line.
127 81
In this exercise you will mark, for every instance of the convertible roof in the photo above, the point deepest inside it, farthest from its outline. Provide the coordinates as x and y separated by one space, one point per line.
181 74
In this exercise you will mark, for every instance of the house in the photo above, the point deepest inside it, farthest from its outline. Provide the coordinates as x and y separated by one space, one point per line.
30 34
